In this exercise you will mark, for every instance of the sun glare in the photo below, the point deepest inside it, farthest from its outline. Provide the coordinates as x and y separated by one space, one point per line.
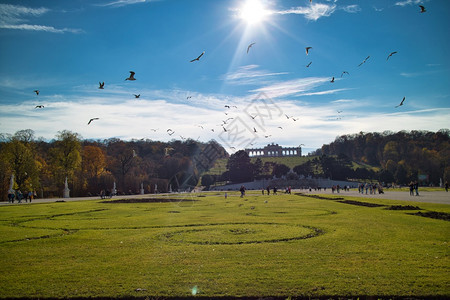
253 11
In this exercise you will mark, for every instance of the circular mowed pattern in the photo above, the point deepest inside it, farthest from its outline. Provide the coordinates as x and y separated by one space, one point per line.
243 233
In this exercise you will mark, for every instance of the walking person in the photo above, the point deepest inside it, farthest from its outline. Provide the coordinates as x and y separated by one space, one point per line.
411 188
416 187
242 189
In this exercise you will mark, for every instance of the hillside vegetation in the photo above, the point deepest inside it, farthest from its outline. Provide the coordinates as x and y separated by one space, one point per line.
401 156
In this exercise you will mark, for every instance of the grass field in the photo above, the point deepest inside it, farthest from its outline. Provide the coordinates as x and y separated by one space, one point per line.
212 246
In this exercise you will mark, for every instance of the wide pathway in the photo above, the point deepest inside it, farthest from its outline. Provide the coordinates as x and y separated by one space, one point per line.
440 197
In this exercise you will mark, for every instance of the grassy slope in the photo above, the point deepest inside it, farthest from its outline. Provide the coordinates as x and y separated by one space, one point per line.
110 250
221 164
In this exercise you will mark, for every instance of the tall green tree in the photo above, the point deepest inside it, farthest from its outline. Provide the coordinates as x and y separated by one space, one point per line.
240 167
65 155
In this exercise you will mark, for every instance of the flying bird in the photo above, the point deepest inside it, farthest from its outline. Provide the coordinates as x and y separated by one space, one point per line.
307 50
39 106
294 119
92 120
364 61
131 76
170 131
224 129
254 129
200 126
101 85
332 79
287 117
188 97
422 9
339 111
198 58
390 54
266 136
345 72
280 127
253 117
152 129
137 96
309 64
401 103
249 46
37 92
227 106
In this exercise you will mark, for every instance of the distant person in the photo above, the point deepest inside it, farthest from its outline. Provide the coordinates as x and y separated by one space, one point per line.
416 188
10 197
242 189
262 191
275 190
446 186
268 190
411 188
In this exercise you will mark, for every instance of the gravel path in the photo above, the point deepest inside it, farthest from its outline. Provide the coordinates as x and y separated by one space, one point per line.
440 197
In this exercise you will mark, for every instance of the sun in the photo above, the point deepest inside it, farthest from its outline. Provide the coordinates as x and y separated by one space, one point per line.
253 11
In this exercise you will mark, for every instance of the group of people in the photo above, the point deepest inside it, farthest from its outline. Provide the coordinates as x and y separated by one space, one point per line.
371 188
19 196
413 188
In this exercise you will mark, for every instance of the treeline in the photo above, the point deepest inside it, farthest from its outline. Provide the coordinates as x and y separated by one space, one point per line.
91 166
337 167
402 156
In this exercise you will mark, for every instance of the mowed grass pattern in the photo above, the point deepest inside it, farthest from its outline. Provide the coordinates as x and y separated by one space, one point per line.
283 245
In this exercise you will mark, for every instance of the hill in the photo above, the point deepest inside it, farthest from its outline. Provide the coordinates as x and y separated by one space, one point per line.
402 156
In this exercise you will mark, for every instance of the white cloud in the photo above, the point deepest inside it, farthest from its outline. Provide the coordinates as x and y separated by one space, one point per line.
312 12
39 28
249 74
120 3
352 8
408 2
292 87
11 17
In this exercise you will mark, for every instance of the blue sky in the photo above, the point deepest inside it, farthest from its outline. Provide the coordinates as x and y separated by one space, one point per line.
65 48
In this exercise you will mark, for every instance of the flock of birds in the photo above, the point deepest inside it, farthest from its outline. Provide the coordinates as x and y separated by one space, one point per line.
171 132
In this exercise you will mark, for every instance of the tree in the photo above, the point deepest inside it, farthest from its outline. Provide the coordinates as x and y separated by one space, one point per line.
207 180
93 166
280 170
240 168
21 160
65 155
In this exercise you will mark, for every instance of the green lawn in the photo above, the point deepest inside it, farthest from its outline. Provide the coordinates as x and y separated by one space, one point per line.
285 245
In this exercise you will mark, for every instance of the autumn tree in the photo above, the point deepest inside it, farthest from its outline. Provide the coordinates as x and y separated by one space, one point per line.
65 156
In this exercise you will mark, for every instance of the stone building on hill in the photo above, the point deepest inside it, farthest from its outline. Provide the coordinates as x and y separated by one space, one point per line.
274 150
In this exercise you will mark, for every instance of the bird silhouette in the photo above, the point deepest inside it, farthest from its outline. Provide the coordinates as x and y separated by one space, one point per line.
339 111
224 129
92 120
345 72
401 103
364 61
249 46
307 50
227 106
131 76
287 117
188 97
101 85
332 80
198 58
390 54
170 131
152 129
254 129
280 127
37 92
137 96
39 106
294 119
309 64
253 117
422 9
200 126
